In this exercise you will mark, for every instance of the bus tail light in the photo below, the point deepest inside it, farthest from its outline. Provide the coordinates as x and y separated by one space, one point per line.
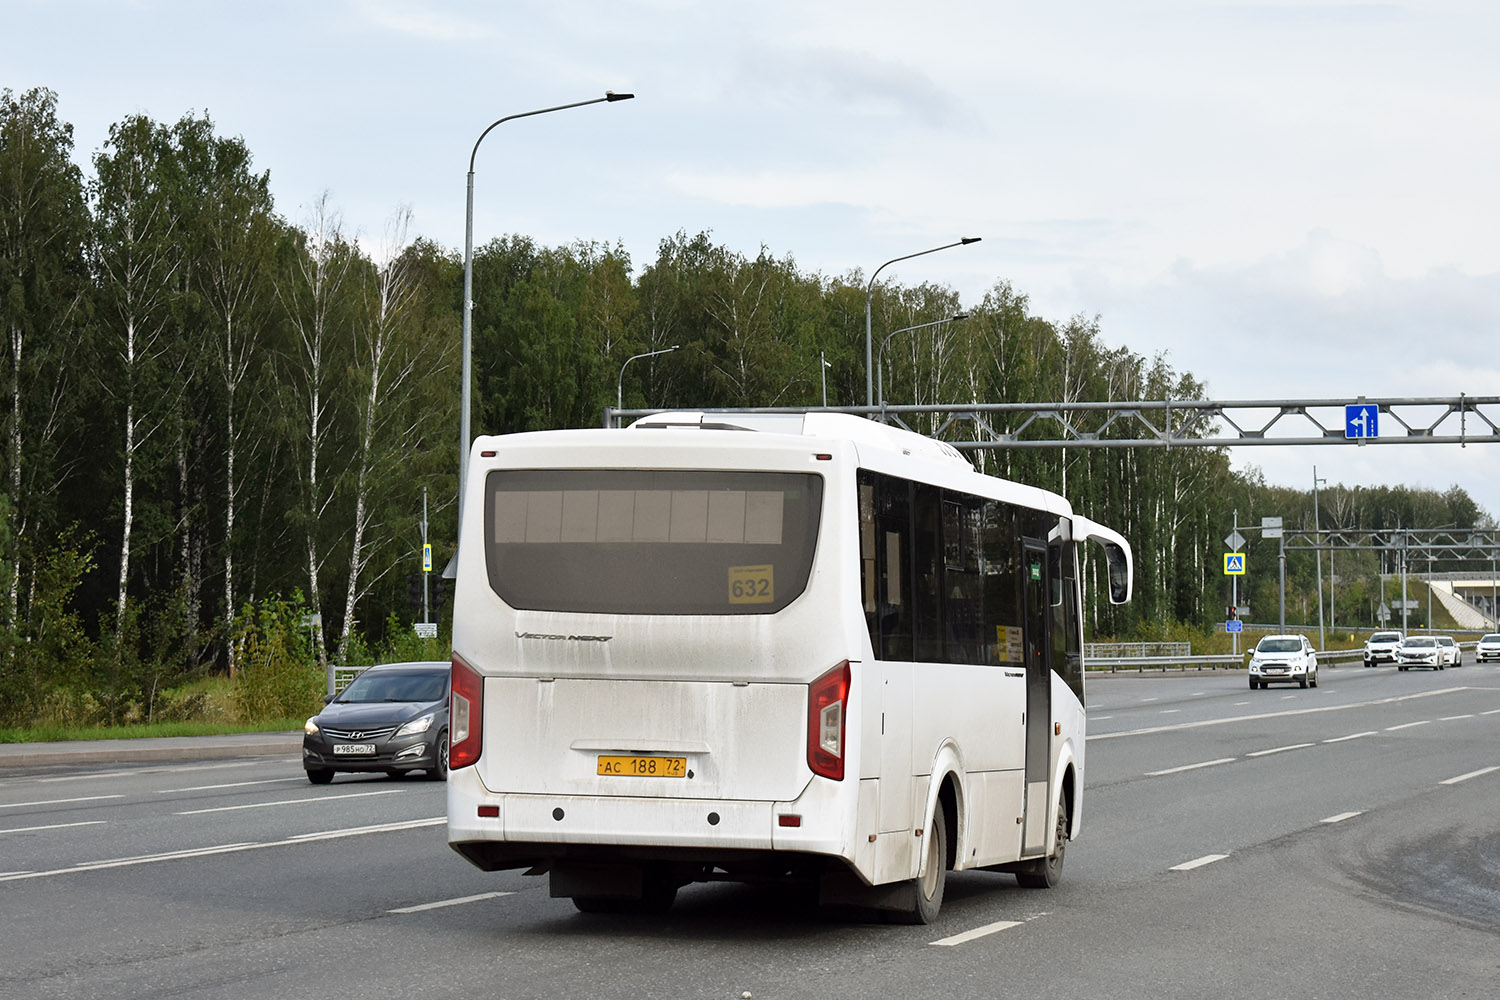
827 708
465 715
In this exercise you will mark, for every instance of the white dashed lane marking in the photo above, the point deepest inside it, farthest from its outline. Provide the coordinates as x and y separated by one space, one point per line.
978 932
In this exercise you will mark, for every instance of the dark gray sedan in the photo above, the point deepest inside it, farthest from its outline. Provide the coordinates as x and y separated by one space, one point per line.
393 717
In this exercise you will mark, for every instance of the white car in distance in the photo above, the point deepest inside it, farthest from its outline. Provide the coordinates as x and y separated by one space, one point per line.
1488 648
1420 651
1381 647
1284 659
1453 654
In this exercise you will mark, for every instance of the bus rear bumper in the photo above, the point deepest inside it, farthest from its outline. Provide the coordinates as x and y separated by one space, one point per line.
534 830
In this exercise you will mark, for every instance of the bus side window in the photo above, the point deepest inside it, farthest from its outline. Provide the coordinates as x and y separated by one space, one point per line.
927 565
891 635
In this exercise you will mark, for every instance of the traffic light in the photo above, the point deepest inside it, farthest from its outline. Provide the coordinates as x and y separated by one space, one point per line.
414 591
1234 612
439 593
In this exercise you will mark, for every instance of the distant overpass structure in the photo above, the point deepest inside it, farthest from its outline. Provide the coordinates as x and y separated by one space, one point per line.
1169 423
1471 596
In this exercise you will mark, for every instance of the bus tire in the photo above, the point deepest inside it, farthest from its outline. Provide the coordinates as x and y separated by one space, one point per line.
927 888
1044 873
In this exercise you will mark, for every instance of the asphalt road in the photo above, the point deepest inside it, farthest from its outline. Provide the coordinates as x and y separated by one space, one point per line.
1335 842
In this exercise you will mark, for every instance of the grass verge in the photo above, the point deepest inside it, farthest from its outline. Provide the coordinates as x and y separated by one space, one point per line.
54 734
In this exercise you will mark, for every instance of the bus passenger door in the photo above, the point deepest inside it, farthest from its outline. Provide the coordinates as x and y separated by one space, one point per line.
1038 699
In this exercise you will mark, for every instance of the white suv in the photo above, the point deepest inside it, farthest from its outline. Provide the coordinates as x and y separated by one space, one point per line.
1488 648
1284 658
1381 647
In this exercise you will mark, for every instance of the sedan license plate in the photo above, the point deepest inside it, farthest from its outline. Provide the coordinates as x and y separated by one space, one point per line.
643 766
354 749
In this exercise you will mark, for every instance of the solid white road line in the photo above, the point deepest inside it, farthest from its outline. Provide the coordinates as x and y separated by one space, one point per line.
89 775
450 902
226 849
232 784
1493 711
1471 774
1409 725
356 831
1190 767
59 802
1207 859
978 932
1342 816
286 802
1455 718
1352 736
52 826
1267 753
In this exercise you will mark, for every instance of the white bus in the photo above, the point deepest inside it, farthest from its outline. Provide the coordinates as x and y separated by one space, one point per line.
764 646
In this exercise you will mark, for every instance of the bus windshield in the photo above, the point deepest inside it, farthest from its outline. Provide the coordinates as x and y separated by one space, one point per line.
660 542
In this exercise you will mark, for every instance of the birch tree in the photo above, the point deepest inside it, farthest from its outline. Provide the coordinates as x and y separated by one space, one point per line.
312 291
138 256
43 228
235 233
400 357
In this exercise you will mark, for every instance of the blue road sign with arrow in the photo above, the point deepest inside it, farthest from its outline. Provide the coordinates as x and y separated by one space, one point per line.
1361 420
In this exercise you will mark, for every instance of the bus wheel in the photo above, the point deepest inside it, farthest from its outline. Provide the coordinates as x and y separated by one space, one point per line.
927 888
1044 873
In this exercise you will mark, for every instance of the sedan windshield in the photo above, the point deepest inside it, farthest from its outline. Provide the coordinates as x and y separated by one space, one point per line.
1421 642
1279 646
1492 637
426 686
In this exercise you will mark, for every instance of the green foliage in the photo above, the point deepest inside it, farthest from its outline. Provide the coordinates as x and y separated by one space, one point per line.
277 672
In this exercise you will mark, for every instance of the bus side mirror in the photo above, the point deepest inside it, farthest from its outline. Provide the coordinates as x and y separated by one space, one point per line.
1118 561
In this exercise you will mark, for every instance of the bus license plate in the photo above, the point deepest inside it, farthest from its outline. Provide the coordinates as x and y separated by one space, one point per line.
643 767
354 749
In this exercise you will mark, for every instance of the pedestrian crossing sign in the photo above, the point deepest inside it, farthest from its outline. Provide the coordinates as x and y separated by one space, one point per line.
1234 564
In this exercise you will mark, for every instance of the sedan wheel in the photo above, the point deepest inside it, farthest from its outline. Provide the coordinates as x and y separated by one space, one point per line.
440 772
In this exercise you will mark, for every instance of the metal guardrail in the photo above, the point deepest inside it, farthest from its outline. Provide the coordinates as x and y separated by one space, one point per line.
1115 650
1228 661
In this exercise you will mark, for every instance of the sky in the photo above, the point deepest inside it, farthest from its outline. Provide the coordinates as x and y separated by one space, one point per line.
1286 200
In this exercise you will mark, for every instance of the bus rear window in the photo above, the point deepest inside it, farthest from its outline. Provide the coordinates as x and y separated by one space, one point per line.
657 542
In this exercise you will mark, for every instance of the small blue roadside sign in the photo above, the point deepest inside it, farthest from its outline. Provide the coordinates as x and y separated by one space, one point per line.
1361 420
1234 625
1234 564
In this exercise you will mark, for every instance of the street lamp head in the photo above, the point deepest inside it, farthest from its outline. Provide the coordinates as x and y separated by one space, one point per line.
610 95
958 316
965 241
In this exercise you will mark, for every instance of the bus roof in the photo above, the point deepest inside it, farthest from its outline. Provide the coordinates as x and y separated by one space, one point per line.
837 426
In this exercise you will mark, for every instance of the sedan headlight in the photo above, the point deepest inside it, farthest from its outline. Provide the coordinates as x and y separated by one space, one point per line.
310 727
415 726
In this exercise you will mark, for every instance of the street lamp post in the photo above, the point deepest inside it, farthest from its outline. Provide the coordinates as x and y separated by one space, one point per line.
880 355
620 382
869 294
468 303
1318 535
